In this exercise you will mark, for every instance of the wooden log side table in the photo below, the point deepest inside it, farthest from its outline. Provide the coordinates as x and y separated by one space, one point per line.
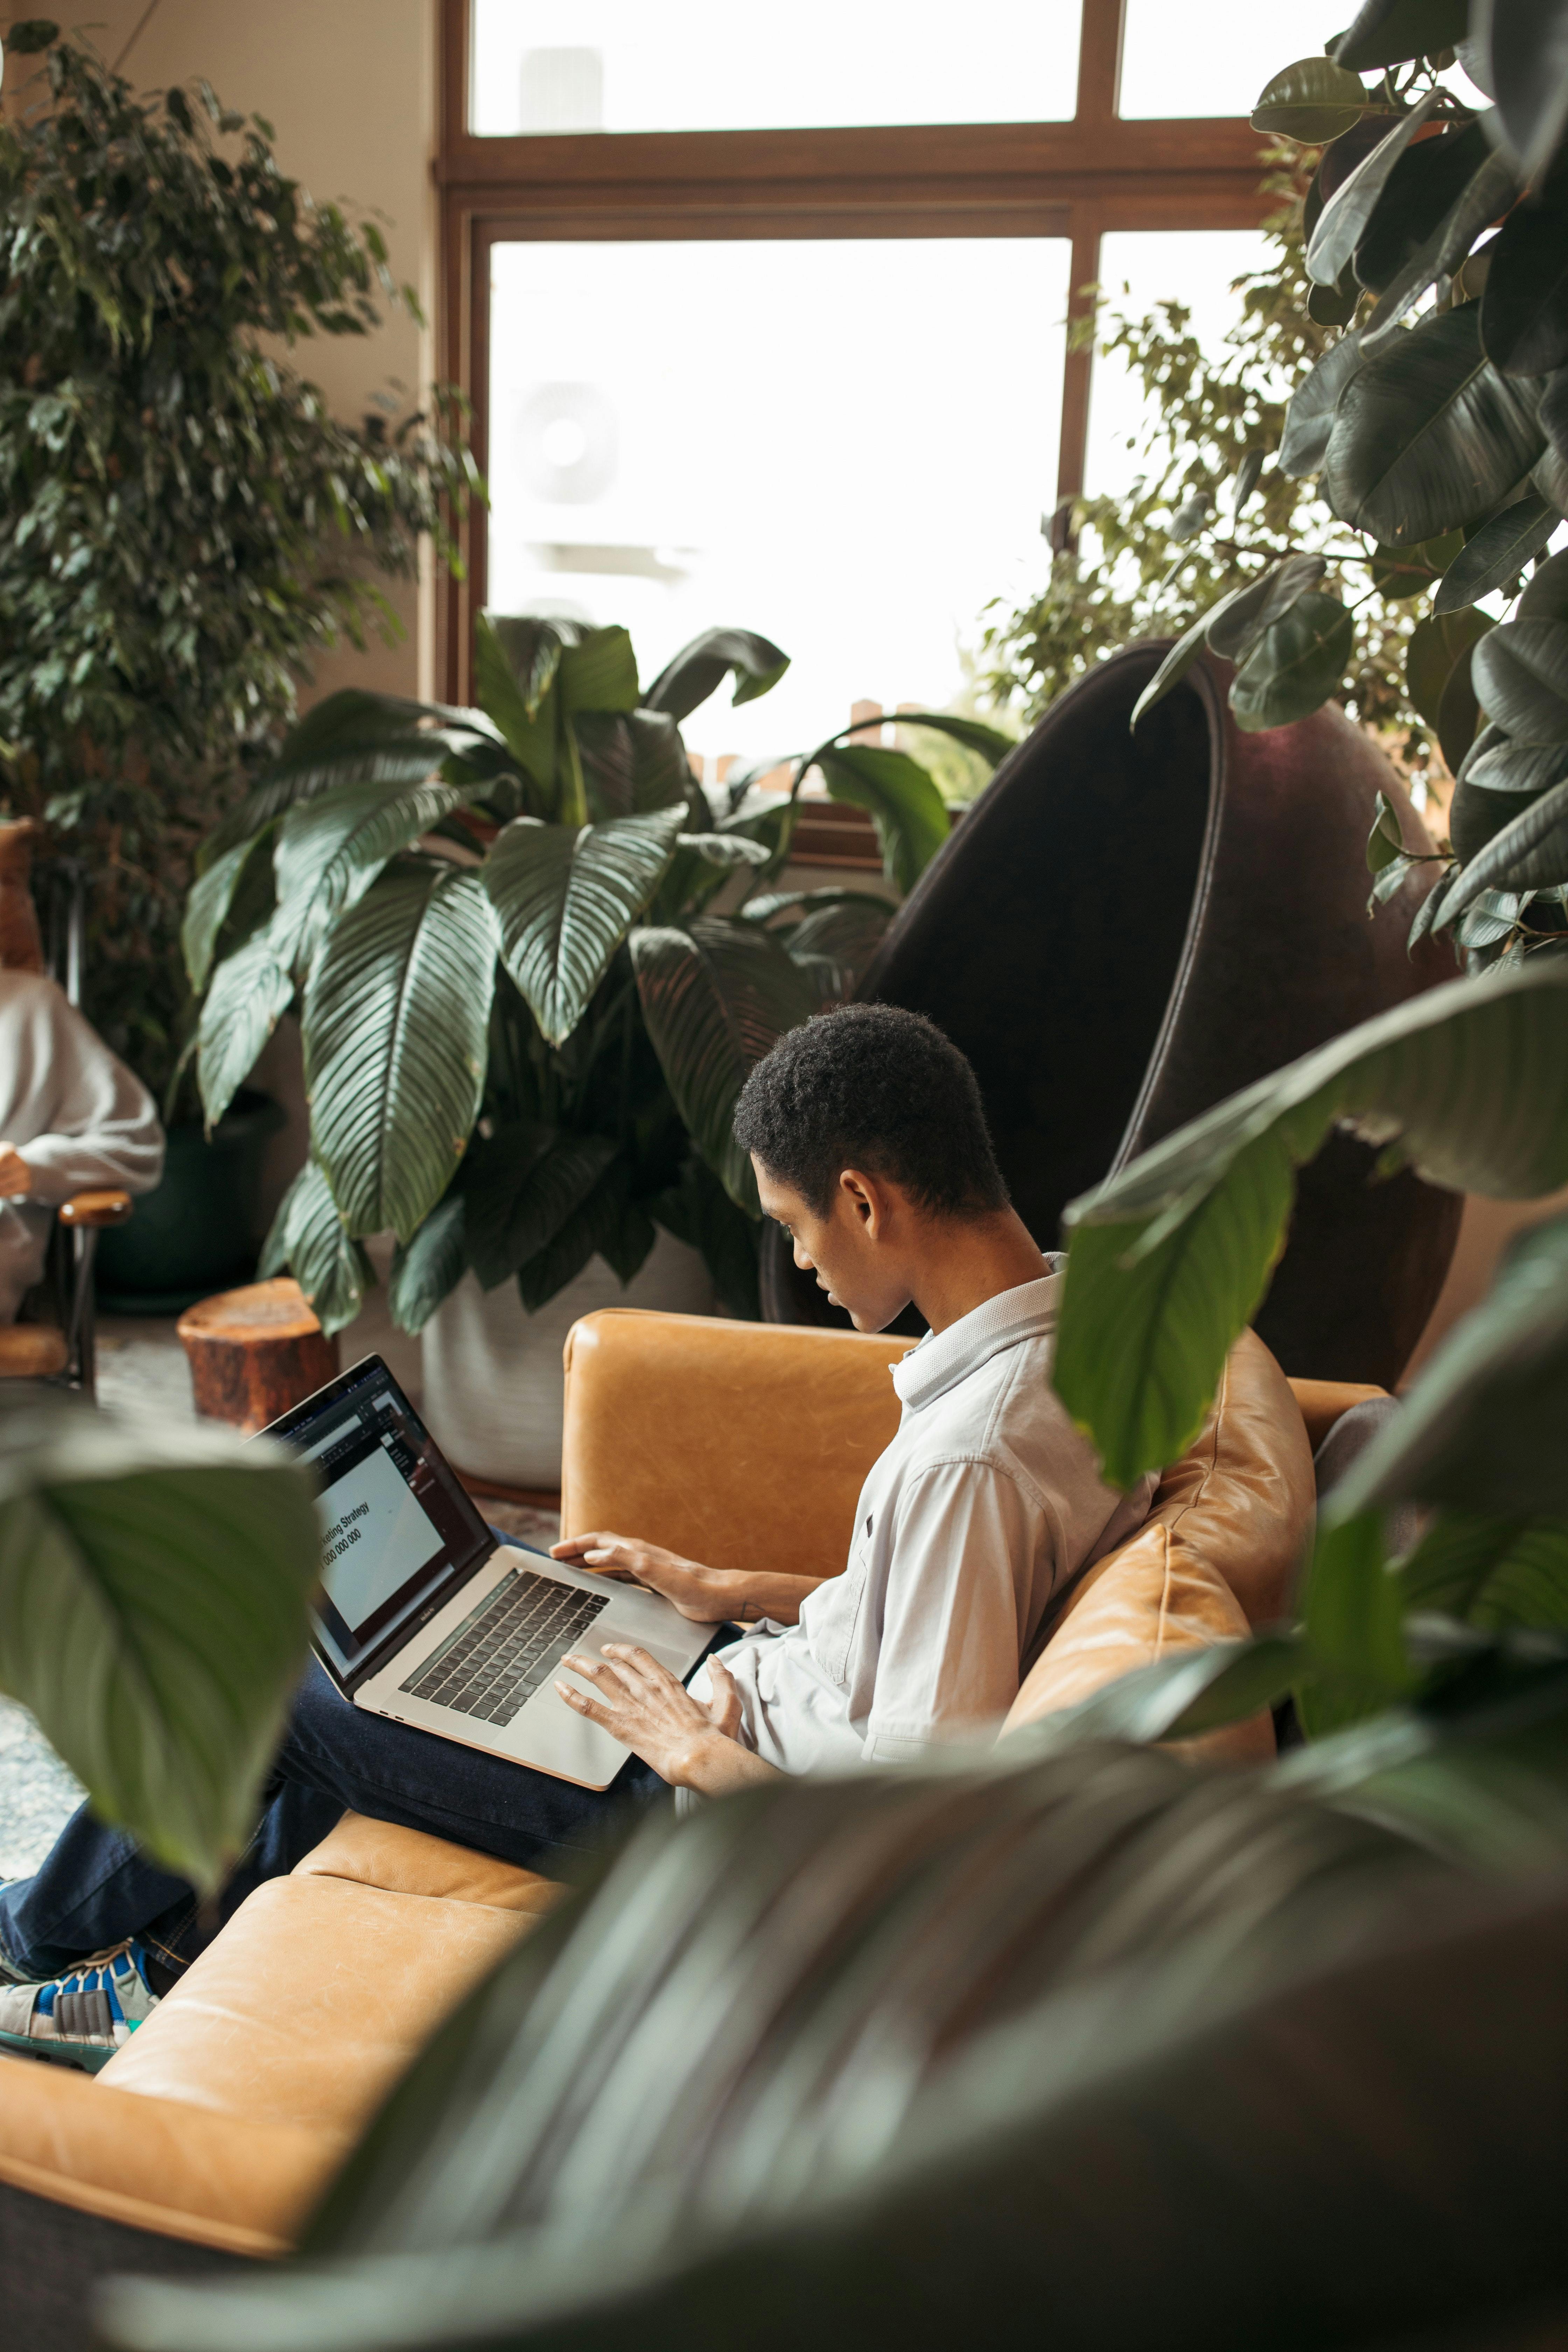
254 1352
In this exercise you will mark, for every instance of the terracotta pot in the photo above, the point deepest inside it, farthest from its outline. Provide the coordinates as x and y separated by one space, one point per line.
493 1384
1125 929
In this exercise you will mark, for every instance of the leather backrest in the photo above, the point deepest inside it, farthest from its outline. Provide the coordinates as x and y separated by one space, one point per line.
1221 1549
740 1445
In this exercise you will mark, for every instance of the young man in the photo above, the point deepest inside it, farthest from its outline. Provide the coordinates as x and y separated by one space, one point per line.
869 1144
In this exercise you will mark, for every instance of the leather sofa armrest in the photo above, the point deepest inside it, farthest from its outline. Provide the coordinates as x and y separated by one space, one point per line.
1322 1403
241 2186
738 1445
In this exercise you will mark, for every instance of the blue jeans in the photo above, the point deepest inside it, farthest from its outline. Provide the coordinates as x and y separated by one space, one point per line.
96 1889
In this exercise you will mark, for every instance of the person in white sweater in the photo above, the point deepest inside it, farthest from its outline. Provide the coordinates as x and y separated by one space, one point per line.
72 1117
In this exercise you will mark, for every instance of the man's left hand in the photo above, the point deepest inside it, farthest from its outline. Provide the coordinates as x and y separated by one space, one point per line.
650 1712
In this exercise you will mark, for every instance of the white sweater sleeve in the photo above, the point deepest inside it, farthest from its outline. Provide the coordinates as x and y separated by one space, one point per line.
74 1111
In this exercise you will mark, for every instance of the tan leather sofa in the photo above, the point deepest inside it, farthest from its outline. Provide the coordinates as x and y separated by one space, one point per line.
218 2125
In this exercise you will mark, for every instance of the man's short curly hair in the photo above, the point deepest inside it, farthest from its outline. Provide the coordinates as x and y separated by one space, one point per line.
872 1086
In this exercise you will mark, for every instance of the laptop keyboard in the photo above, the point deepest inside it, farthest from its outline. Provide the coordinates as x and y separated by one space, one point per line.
497 1659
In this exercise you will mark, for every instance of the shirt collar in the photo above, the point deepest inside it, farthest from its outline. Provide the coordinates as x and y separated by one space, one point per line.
939 1360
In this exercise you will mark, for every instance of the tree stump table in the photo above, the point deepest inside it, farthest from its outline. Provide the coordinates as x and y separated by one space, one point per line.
254 1352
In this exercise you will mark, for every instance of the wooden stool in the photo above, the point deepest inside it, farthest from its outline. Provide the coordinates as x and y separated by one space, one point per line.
254 1352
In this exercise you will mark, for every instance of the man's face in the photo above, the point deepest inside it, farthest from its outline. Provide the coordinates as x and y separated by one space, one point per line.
847 1249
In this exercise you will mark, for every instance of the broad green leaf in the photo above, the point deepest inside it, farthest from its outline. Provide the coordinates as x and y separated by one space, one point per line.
356 737
1352 1619
1313 101
699 1211
1530 853
565 898
1417 204
1294 667
1385 842
1480 1427
1549 475
700 668
308 1241
1498 552
428 1268
1310 415
515 701
909 812
1509 767
1475 817
1428 436
598 673
1489 192
1489 1570
154 1579
1520 673
839 940
724 849
208 908
1185 652
520 1186
1392 878
1343 220
606 1223
973 734
715 998
1437 647
1524 304
1266 600
250 990
1523 62
1460 717
1546 596
1170 1259
1401 573
633 762
1387 31
331 850
395 1020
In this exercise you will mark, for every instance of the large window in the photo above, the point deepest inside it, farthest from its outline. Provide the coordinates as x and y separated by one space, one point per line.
765 320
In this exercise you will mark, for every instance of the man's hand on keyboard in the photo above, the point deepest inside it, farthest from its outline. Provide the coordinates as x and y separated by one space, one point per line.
698 1593
688 1744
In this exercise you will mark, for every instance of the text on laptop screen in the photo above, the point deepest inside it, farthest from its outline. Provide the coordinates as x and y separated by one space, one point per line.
396 1524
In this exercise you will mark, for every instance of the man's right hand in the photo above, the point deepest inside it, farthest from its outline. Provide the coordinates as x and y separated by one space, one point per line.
706 1595
16 1176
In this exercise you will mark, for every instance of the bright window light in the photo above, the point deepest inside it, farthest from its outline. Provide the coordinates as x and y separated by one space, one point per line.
704 65
1215 56
846 445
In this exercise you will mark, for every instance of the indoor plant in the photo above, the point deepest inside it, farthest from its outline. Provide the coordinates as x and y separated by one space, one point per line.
183 523
525 1019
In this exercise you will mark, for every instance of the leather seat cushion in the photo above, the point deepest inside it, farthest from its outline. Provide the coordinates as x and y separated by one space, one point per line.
313 2000
409 1861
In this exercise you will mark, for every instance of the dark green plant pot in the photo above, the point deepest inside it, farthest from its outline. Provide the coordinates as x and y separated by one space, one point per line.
196 1231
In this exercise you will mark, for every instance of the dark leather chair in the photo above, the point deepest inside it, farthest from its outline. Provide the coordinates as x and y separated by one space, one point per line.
1126 929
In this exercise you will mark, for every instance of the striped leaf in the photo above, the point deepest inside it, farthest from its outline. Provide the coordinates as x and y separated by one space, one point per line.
249 993
715 998
1170 1259
309 1242
428 1269
396 1021
331 850
565 897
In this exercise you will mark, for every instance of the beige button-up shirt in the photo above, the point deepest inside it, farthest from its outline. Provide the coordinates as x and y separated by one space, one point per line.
983 1507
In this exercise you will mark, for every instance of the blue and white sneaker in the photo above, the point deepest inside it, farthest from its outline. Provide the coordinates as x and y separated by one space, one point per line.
83 2018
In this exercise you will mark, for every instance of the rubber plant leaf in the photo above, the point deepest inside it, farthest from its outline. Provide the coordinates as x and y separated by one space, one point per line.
154 1582
565 897
308 1241
1479 1428
1428 436
1524 303
1310 415
249 993
1418 206
1497 554
1487 195
700 668
396 1023
1520 671
1523 64
716 997
1437 645
1294 667
1170 1259
1344 221
1314 100
1389 32
1180 656
1260 605
1527 853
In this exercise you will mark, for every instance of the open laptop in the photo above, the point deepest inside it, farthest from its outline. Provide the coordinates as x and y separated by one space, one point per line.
422 1616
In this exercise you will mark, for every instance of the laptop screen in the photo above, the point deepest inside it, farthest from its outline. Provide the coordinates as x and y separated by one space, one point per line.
397 1528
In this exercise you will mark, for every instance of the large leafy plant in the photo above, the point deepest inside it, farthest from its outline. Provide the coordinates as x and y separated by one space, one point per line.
184 523
533 964
1436 425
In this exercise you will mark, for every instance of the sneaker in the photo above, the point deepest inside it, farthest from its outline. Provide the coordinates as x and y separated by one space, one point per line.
83 2017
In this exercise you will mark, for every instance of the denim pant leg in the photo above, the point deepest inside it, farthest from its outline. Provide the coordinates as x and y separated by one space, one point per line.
96 1889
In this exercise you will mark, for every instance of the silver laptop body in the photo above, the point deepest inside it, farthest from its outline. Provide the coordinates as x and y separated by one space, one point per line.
423 1617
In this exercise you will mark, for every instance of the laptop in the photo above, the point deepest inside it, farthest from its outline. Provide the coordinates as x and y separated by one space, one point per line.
422 1616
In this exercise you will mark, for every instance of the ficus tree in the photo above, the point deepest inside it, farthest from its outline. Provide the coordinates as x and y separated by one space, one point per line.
185 523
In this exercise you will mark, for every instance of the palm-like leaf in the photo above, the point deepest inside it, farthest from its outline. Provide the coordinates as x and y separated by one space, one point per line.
702 665
354 737
154 1584
212 898
308 1239
514 666
250 990
715 998
906 807
520 1187
565 897
331 850
1170 1259
395 1020
428 1269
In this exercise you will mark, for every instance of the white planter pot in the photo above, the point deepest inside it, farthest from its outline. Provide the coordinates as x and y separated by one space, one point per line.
493 1382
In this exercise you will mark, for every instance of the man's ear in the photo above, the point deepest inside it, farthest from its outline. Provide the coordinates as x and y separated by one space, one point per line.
866 1200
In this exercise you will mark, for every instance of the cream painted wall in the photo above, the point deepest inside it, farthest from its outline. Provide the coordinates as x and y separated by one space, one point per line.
350 88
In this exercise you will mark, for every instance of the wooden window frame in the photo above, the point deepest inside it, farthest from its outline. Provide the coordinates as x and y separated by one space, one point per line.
1076 180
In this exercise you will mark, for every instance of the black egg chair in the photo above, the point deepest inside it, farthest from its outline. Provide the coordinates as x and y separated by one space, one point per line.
1126 929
